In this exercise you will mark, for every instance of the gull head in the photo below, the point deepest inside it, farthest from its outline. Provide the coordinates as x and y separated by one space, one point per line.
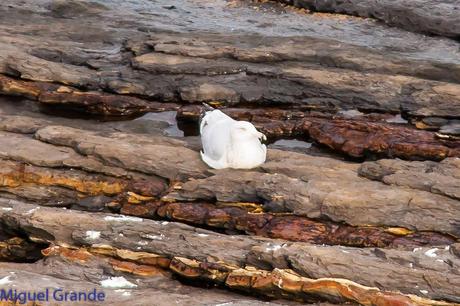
244 131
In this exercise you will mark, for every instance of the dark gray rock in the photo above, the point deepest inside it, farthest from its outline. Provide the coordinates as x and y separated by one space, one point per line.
426 16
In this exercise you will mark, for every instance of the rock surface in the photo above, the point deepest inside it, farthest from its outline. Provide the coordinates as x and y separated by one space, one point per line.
222 259
425 16
359 137
346 68
290 200
149 281
87 202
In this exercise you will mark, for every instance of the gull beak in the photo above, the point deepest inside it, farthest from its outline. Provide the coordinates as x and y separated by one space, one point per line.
261 136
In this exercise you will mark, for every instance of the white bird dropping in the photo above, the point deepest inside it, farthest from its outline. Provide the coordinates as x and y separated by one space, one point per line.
228 143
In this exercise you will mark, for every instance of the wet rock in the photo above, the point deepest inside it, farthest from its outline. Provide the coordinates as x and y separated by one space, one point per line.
121 282
314 71
250 219
325 188
74 8
210 92
441 178
128 58
217 257
361 137
451 129
432 17
431 123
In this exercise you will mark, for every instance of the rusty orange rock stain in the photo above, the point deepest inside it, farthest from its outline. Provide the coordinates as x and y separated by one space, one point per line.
137 257
88 185
274 283
134 268
18 88
186 267
282 226
134 198
81 254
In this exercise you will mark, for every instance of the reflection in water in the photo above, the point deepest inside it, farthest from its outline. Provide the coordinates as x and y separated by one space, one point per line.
397 119
291 144
169 117
175 128
185 129
188 128
352 113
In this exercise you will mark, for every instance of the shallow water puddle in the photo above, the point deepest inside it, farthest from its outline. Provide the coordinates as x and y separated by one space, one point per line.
291 144
397 119
185 129
169 117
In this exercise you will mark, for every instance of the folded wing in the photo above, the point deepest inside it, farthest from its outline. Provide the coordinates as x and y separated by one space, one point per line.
215 136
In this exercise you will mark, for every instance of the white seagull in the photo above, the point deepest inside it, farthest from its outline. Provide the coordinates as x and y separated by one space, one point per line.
228 143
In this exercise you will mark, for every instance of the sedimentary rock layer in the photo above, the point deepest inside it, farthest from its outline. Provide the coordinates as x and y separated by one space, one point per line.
125 200
426 176
202 254
426 16
122 282
359 137
139 197
126 173
249 219
315 187
71 99
143 62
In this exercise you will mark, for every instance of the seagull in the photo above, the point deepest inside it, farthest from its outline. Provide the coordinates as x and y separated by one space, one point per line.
228 143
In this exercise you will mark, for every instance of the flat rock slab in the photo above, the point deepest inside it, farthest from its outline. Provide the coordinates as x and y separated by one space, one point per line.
425 16
308 61
113 188
316 187
302 185
50 275
419 271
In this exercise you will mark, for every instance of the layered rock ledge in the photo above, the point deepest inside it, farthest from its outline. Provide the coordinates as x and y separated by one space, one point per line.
294 204
102 185
425 16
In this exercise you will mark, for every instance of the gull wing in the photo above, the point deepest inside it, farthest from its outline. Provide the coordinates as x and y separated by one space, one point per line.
211 118
215 135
